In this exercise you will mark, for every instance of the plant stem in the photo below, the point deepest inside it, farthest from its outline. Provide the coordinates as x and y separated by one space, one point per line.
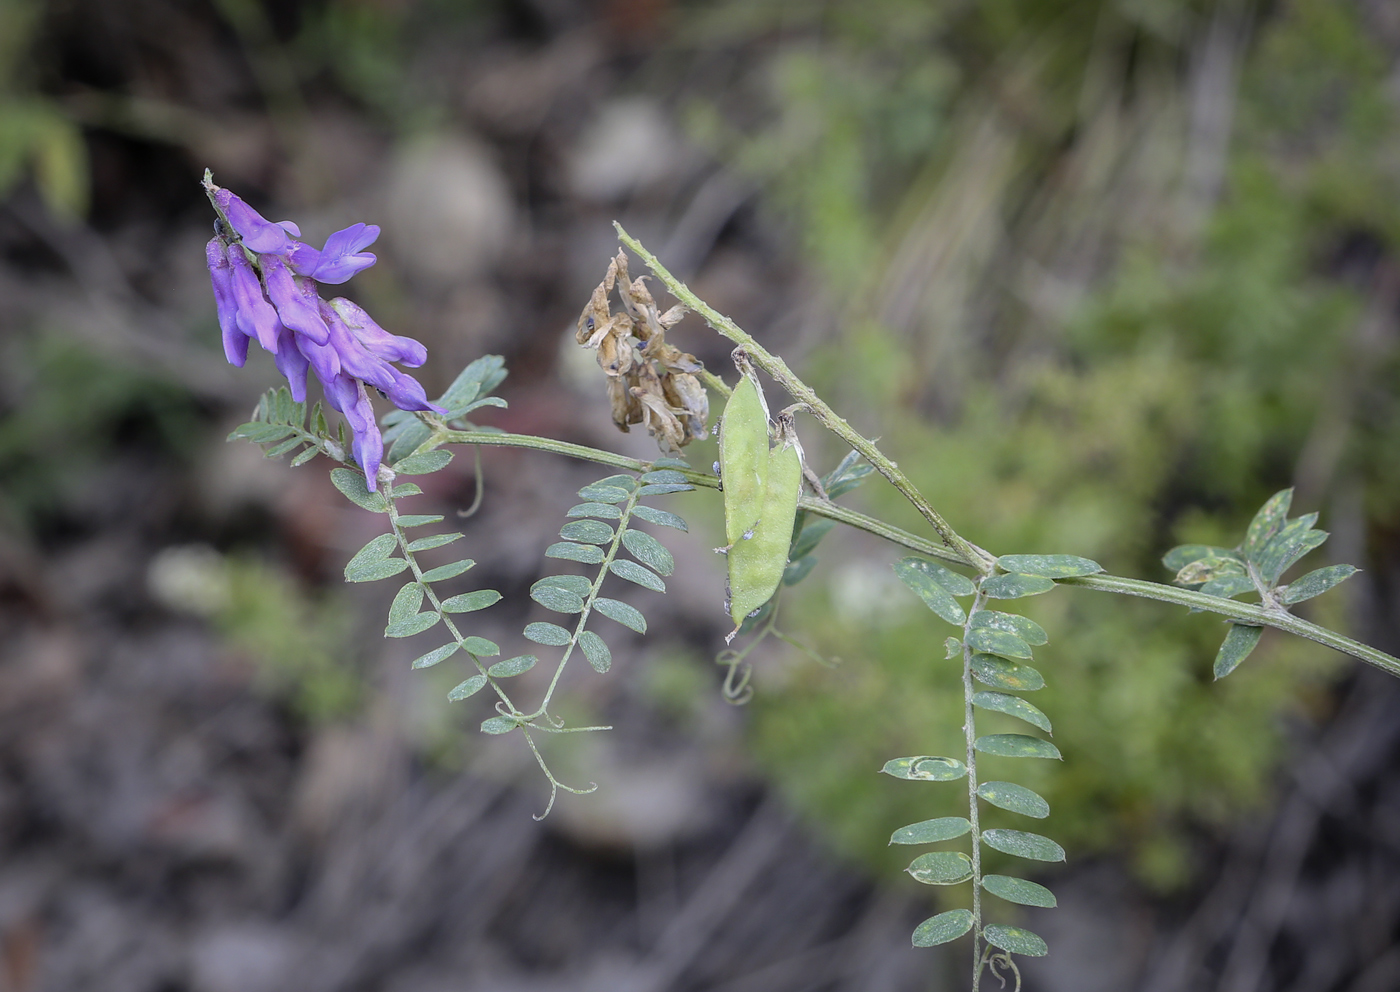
970 733
800 391
1246 613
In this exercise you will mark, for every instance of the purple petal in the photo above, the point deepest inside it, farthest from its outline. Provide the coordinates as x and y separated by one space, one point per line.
349 397
354 359
221 275
255 315
290 227
376 340
344 253
257 232
292 364
407 393
296 311
325 362
302 258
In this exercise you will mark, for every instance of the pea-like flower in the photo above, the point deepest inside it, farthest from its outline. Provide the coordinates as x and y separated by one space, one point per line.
265 283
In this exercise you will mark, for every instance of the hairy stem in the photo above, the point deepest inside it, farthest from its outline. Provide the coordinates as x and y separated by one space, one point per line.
803 393
970 734
1246 613
588 603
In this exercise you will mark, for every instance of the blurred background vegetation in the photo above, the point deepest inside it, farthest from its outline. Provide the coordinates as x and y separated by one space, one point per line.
1101 274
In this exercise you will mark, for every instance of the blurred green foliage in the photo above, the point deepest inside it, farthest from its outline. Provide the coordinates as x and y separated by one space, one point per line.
1072 344
37 139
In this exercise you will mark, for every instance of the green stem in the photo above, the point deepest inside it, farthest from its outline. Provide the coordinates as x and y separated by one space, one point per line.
970 734
1246 613
588 603
803 393
457 635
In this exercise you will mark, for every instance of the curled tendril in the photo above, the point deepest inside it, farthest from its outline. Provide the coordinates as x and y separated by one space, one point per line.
736 687
480 485
1002 959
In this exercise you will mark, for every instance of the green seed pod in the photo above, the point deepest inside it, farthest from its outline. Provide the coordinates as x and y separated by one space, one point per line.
756 565
743 458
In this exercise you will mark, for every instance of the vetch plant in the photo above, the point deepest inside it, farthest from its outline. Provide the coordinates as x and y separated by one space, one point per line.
266 289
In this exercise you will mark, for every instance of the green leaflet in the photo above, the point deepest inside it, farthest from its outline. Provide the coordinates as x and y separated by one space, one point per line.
374 571
467 689
1228 586
435 656
481 647
588 554
932 831
798 569
661 517
1015 940
470 602
649 551
1016 798
1179 557
423 463
406 602
925 768
1012 706
1239 642
633 572
989 640
595 650
942 928
1266 523
375 551
497 725
1014 585
587 531
604 510
1022 844
1019 890
576 584
1316 582
941 868
436 541
663 477
413 625
547 633
556 599
1016 746
1049 566
1002 673
924 579
599 493
1208 569
628 616
512 666
1023 627
448 571
408 520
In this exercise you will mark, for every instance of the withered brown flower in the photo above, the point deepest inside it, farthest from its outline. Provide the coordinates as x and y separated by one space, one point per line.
650 381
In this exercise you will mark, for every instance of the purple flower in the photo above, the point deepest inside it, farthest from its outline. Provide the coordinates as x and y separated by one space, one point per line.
288 297
221 275
344 254
376 340
258 233
265 289
255 315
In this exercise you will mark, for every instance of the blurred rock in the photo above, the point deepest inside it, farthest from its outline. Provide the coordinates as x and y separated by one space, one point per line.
448 210
242 958
628 147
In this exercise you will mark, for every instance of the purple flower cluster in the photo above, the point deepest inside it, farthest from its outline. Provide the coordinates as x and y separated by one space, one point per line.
265 290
